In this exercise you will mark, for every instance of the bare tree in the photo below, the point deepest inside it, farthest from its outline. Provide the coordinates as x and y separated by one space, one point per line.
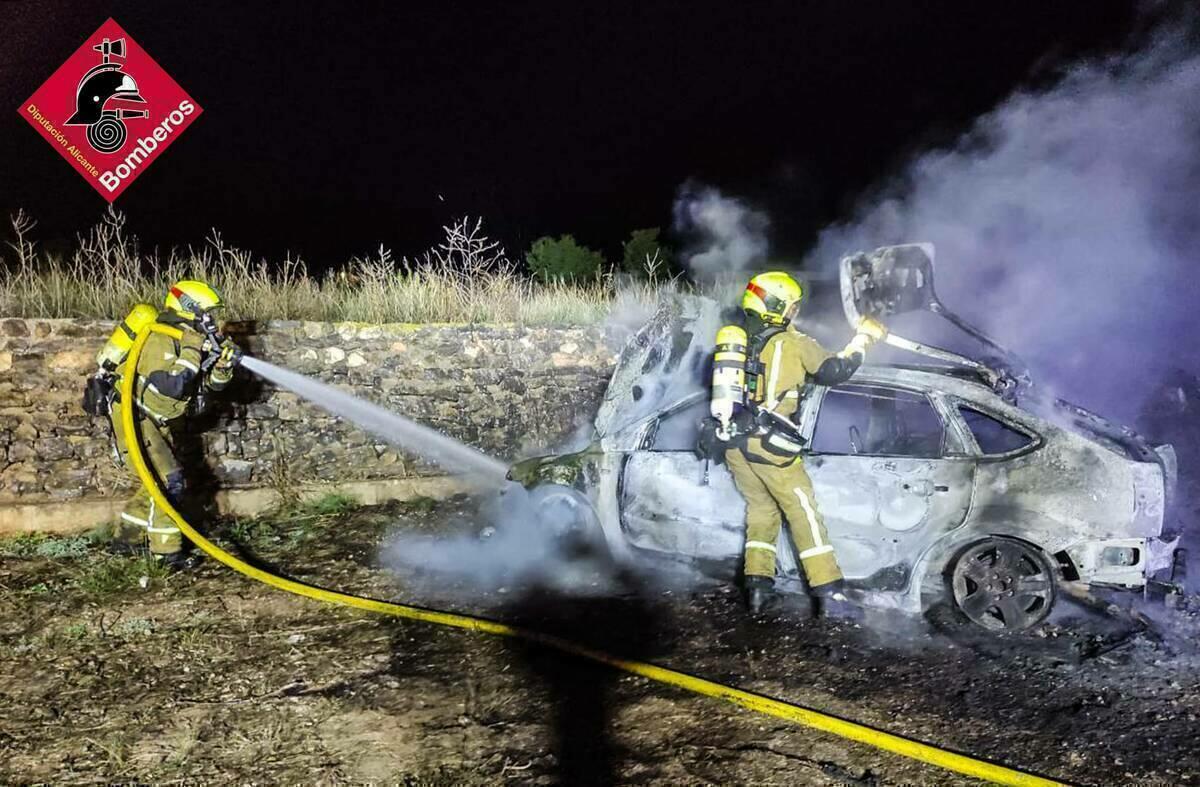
467 249
107 243
23 224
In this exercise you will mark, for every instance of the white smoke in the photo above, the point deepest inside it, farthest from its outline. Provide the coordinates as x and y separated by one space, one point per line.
511 543
726 236
525 543
1065 224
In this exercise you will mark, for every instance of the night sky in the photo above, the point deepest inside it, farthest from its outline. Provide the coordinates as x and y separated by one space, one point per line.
329 130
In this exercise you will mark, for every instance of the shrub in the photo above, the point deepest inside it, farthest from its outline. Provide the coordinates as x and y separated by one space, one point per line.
563 259
645 256
29 545
333 504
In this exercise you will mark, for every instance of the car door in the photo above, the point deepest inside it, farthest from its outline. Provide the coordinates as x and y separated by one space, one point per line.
670 501
889 477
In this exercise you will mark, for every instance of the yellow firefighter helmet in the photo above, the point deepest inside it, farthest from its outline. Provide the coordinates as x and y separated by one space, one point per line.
774 297
191 299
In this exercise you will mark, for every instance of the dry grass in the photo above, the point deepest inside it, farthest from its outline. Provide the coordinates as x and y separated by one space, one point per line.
466 279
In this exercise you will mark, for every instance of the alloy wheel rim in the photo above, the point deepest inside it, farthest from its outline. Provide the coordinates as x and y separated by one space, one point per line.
1003 585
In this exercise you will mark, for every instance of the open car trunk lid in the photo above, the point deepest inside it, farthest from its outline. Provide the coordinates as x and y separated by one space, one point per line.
897 279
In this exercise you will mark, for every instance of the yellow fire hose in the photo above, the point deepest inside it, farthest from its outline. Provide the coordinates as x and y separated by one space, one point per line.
896 744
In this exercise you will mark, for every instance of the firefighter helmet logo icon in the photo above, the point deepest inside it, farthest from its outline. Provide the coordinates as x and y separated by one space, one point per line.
110 110
98 98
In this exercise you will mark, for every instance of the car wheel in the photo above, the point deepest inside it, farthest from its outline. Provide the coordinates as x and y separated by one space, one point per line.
1003 584
569 515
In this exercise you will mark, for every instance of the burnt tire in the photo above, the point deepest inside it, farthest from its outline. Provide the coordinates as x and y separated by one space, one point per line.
570 517
1001 584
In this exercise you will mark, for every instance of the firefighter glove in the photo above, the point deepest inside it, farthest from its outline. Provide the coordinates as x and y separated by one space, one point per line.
870 331
231 356
872 328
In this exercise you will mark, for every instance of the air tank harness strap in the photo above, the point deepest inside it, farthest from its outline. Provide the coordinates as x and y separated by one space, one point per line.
779 435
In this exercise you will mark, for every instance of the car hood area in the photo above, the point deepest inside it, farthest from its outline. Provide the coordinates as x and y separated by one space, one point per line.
663 362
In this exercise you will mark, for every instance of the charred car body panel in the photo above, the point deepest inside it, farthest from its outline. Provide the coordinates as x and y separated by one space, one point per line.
910 465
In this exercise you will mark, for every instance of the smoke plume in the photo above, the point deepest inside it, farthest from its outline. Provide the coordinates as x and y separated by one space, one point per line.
513 542
726 235
1065 224
524 543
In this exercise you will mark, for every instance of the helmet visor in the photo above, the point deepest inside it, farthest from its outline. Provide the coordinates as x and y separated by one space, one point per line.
771 303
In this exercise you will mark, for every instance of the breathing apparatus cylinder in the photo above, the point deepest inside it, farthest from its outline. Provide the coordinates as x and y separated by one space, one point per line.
728 377
98 392
117 347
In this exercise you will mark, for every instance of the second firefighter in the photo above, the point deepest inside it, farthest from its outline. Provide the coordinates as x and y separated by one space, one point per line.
760 375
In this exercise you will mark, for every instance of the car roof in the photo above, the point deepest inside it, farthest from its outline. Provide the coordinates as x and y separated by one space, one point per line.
946 379
942 379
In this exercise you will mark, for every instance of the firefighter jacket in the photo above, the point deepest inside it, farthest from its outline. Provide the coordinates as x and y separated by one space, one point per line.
170 371
790 360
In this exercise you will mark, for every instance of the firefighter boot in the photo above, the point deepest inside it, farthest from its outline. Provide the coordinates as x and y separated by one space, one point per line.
760 591
127 547
830 601
179 561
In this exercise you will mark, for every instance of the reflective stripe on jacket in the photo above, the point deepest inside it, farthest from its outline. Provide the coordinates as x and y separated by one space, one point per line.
789 358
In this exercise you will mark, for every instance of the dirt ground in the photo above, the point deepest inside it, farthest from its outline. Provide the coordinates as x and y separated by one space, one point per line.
111 671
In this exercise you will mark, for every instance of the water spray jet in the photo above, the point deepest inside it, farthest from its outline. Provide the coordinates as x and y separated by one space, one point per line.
404 433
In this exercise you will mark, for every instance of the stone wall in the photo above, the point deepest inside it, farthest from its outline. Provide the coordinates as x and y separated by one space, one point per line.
506 390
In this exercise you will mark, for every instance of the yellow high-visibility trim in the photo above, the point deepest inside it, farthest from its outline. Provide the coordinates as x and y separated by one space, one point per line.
924 752
810 515
774 376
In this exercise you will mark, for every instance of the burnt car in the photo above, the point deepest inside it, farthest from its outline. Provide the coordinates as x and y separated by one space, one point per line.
938 484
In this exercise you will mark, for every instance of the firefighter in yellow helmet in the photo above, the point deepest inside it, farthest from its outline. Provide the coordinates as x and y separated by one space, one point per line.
171 373
760 375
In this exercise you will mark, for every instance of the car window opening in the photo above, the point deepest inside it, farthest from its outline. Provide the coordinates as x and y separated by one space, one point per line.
869 421
993 436
678 431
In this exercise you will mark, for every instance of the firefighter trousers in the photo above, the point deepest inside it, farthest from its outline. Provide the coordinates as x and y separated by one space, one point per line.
142 521
772 492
